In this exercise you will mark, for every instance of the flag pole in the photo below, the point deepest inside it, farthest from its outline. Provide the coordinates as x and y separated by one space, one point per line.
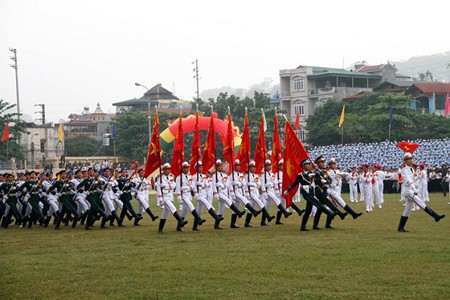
389 137
342 135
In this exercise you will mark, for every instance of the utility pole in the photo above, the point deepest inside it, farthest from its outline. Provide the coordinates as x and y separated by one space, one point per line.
196 76
41 112
14 66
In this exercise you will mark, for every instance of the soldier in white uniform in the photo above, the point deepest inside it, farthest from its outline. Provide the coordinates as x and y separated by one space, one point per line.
268 188
236 181
367 190
183 190
333 187
141 186
252 186
411 194
52 199
220 190
378 187
353 179
164 189
199 184
80 199
423 184
109 189
278 187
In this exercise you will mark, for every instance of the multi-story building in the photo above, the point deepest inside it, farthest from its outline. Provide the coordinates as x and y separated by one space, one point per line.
156 97
89 124
42 146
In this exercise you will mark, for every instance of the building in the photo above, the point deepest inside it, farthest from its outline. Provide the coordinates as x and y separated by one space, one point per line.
42 146
305 88
156 97
93 125
430 96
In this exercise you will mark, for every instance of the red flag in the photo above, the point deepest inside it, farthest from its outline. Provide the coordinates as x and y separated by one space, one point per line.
5 135
209 151
195 152
228 147
297 121
294 153
154 150
408 147
276 145
244 149
178 151
260 151
447 105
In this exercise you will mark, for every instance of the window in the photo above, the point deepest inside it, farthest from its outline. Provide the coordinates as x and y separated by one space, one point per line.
440 102
299 107
299 84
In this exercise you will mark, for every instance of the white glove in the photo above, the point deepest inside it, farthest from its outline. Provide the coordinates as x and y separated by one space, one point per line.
285 193
58 194
95 182
328 191
4 199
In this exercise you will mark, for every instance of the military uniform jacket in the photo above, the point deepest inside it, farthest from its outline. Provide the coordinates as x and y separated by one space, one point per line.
10 189
165 187
198 184
125 186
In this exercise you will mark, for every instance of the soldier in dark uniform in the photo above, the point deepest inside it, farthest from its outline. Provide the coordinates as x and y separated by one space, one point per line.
321 180
90 186
64 189
9 193
32 189
125 185
306 180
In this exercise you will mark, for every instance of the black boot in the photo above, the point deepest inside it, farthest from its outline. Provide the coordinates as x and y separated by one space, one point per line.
213 214
341 214
150 213
103 224
119 220
217 223
252 210
136 217
180 226
89 222
268 216
284 211
263 220
432 213
58 222
401 226
278 222
236 210
128 215
75 221
316 220
195 227
304 221
233 221
248 218
354 214
297 209
162 222
181 222
199 219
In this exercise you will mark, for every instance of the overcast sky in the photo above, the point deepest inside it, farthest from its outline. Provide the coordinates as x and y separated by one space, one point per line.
77 53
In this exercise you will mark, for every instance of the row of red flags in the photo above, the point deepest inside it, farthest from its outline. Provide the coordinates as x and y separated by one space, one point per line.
294 152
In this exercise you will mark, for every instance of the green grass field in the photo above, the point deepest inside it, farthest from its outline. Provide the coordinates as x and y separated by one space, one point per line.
361 259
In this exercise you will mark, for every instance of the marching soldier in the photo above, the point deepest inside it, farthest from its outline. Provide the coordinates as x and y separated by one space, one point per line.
199 186
164 189
142 187
125 185
411 194
321 191
184 196
32 189
353 179
108 185
305 180
334 189
80 198
9 191
220 189
268 188
91 186
64 191
252 185
237 193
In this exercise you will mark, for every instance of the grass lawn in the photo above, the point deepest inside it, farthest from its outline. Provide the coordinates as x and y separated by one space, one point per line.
362 259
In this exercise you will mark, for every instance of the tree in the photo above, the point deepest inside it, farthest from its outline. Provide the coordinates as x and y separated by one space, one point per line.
11 148
367 120
86 146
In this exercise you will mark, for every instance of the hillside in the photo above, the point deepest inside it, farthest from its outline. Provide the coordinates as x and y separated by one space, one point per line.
437 64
